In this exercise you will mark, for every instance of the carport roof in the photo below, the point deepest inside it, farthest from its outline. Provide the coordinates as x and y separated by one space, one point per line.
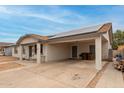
91 29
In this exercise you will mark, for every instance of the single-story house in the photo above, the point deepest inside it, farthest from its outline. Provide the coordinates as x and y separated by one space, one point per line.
5 49
89 43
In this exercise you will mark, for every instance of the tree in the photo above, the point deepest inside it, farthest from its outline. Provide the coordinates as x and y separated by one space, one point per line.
118 38
114 45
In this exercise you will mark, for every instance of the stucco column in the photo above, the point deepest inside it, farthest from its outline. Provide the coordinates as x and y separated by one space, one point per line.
27 52
45 46
98 52
38 53
20 52
13 51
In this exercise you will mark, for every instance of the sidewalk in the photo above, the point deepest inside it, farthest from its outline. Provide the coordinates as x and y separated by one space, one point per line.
111 78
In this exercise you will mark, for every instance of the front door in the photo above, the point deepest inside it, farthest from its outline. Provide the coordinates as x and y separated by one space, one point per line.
74 51
30 51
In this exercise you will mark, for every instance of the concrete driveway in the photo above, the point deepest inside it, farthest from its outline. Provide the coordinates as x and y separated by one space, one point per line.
72 74
53 74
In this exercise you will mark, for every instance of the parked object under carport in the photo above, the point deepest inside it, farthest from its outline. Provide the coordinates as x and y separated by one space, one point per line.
87 56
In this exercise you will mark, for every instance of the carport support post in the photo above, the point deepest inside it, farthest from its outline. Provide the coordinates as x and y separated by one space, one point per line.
45 52
20 52
98 52
38 53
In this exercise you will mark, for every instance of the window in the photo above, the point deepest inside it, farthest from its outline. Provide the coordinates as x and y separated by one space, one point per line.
15 50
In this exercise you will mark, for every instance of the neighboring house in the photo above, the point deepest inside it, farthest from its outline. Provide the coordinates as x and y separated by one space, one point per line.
5 49
90 43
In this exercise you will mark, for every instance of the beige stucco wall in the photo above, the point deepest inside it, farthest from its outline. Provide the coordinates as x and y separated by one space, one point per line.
63 51
8 51
13 53
106 35
84 47
58 52
26 55
28 40
106 45
105 50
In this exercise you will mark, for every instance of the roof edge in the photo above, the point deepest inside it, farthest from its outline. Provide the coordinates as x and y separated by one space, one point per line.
38 37
105 27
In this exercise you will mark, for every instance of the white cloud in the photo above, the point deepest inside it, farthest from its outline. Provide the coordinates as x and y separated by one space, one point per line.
56 14
60 15
3 10
11 40
7 34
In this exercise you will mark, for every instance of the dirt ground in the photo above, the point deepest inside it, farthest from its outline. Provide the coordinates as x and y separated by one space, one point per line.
11 65
8 62
7 59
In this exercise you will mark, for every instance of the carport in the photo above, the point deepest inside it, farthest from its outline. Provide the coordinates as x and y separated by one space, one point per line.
93 43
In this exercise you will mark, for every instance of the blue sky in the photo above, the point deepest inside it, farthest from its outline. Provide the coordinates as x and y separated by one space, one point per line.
16 21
